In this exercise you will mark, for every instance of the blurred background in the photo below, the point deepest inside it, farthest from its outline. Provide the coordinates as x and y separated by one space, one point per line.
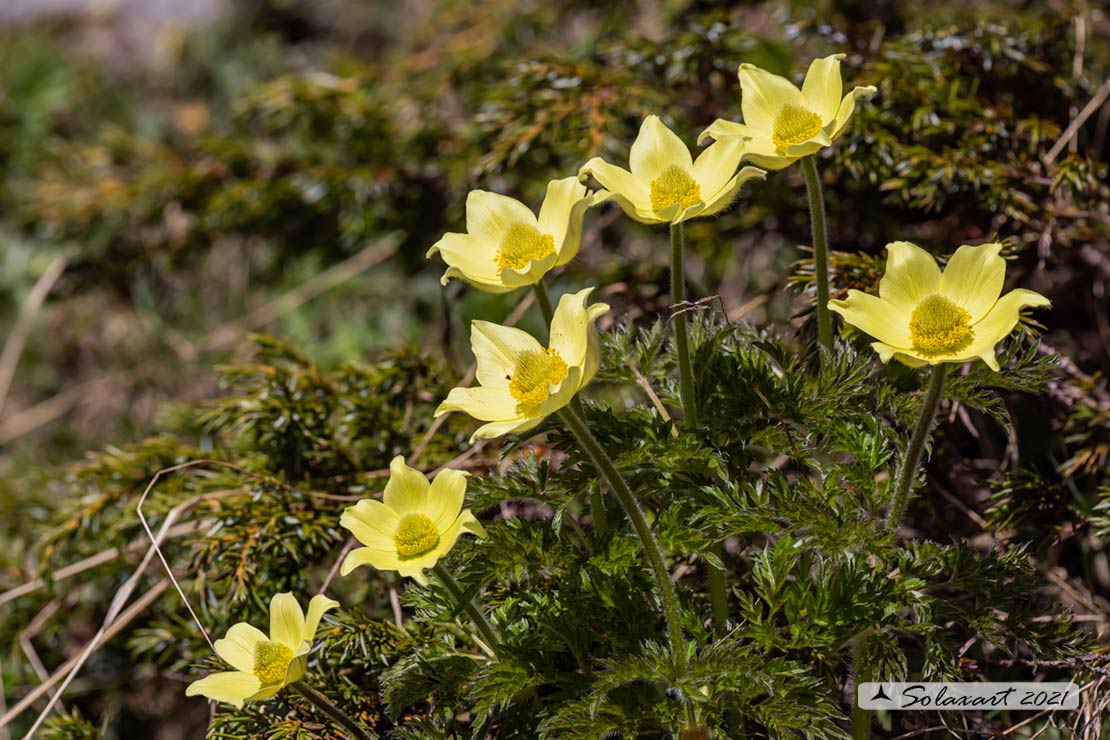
175 176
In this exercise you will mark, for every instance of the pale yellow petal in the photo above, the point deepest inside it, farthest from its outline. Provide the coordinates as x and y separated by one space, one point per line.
530 274
571 325
823 87
231 687
876 317
996 325
445 497
561 215
761 152
317 606
593 358
847 107
973 278
618 181
561 396
406 488
819 141
374 557
716 165
722 130
907 357
489 215
911 274
763 95
286 620
691 212
416 574
471 259
464 522
656 148
496 349
237 648
496 429
728 194
758 147
371 522
267 691
470 523
296 670
491 287
484 404
631 209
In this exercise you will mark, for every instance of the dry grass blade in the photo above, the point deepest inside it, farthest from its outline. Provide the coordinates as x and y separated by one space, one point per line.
68 670
21 329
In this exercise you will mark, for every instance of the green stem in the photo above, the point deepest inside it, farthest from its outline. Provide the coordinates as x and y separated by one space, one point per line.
718 593
861 718
489 634
544 301
601 459
911 463
597 504
324 704
820 248
681 338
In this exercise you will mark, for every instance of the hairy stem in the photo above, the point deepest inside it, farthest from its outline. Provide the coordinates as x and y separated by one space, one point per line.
681 338
820 248
325 705
718 593
911 463
608 469
861 673
543 300
489 634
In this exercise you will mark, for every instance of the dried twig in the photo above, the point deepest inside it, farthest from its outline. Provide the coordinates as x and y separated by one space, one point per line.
1099 98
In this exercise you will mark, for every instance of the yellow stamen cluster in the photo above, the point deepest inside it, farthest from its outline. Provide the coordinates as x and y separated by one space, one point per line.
416 535
271 661
793 125
938 326
521 244
674 185
534 371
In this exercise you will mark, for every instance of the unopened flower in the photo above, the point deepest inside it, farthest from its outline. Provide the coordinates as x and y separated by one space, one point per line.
521 381
925 317
664 184
782 123
506 246
414 525
264 665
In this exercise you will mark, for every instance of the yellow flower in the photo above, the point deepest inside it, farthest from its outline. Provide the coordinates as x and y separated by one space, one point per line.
665 184
925 317
783 123
264 665
414 525
521 382
507 246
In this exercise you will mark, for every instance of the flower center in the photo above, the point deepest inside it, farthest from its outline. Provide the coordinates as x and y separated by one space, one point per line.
416 535
938 326
793 125
674 185
521 244
271 661
534 371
